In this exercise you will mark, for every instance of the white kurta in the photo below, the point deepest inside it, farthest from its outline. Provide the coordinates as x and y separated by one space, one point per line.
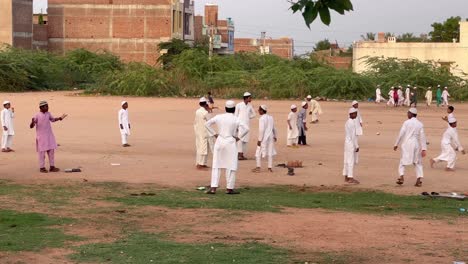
391 101
445 96
407 96
449 144
124 121
244 112
266 135
225 148
401 98
359 123
315 109
412 140
428 97
350 146
378 95
7 117
293 133
201 134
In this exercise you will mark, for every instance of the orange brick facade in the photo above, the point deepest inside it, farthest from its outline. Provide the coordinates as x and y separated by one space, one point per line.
283 47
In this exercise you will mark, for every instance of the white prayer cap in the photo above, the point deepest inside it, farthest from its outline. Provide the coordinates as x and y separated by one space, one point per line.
123 102
42 103
309 97
230 104
408 85
393 87
445 87
354 102
6 102
303 104
264 107
452 120
438 85
246 94
293 106
430 88
413 111
203 100
352 110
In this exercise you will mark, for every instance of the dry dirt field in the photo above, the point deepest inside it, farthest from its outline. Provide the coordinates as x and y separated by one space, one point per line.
163 153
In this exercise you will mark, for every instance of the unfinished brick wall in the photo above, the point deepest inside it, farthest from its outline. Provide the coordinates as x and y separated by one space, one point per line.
283 47
16 23
40 37
131 29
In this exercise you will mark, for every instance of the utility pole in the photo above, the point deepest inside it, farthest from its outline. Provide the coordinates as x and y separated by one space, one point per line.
210 53
263 36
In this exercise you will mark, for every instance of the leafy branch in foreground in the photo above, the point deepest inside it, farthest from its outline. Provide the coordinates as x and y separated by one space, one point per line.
310 9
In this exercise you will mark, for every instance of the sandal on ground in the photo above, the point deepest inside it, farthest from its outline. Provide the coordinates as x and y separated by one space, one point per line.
400 181
43 170
232 192
256 170
54 169
418 183
352 181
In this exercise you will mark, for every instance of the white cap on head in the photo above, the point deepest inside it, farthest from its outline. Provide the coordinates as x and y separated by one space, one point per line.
6 102
408 85
123 102
352 110
293 106
247 94
438 85
445 87
264 107
452 120
42 103
354 102
230 104
309 97
413 111
303 104
393 87
203 100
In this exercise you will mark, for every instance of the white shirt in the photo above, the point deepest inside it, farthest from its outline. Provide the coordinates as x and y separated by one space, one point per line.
244 112
445 94
294 132
124 120
412 140
7 117
201 116
451 137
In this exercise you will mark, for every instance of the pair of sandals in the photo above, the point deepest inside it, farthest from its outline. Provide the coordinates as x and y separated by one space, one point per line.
400 182
258 170
52 169
230 192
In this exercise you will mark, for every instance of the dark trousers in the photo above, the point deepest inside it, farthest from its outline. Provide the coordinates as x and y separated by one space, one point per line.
302 137
414 102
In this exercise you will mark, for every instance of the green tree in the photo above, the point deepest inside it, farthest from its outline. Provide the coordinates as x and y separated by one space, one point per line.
410 37
322 45
446 31
170 50
41 19
310 9
368 37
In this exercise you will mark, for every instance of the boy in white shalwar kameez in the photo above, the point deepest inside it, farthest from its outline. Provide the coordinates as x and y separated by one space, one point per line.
293 130
378 95
124 124
351 147
245 112
7 117
266 139
445 96
358 120
315 109
225 148
413 146
449 145
202 139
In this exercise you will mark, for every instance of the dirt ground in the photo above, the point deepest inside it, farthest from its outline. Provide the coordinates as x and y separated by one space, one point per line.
163 153
163 145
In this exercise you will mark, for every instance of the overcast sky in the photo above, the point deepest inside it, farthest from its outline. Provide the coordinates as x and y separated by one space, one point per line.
273 16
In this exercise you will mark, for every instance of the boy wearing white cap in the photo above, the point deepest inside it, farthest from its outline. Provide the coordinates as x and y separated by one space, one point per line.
358 119
449 145
293 131
7 117
302 124
445 96
413 146
201 133
225 148
408 95
378 95
245 112
266 139
429 96
315 109
351 147
124 124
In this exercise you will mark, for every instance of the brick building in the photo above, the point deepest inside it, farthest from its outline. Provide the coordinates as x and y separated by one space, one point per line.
221 31
16 28
282 47
131 29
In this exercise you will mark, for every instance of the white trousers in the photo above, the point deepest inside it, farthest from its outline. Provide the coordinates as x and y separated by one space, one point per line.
417 166
242 146
449 155
445 101
202 159
230 178
259 161
7 141
292 141
348 167
124 139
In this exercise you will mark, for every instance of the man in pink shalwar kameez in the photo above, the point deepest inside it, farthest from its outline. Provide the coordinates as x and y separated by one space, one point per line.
45 139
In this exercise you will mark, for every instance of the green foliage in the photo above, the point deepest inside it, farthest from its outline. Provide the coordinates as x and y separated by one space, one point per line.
30 231
172 48
369 36
410 37
446 31
275 198
310 9
151 248
322 45
391 72
40 19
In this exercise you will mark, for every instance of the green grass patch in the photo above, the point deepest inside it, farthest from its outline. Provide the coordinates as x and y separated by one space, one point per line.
273 199
7 188
151 248
30 231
